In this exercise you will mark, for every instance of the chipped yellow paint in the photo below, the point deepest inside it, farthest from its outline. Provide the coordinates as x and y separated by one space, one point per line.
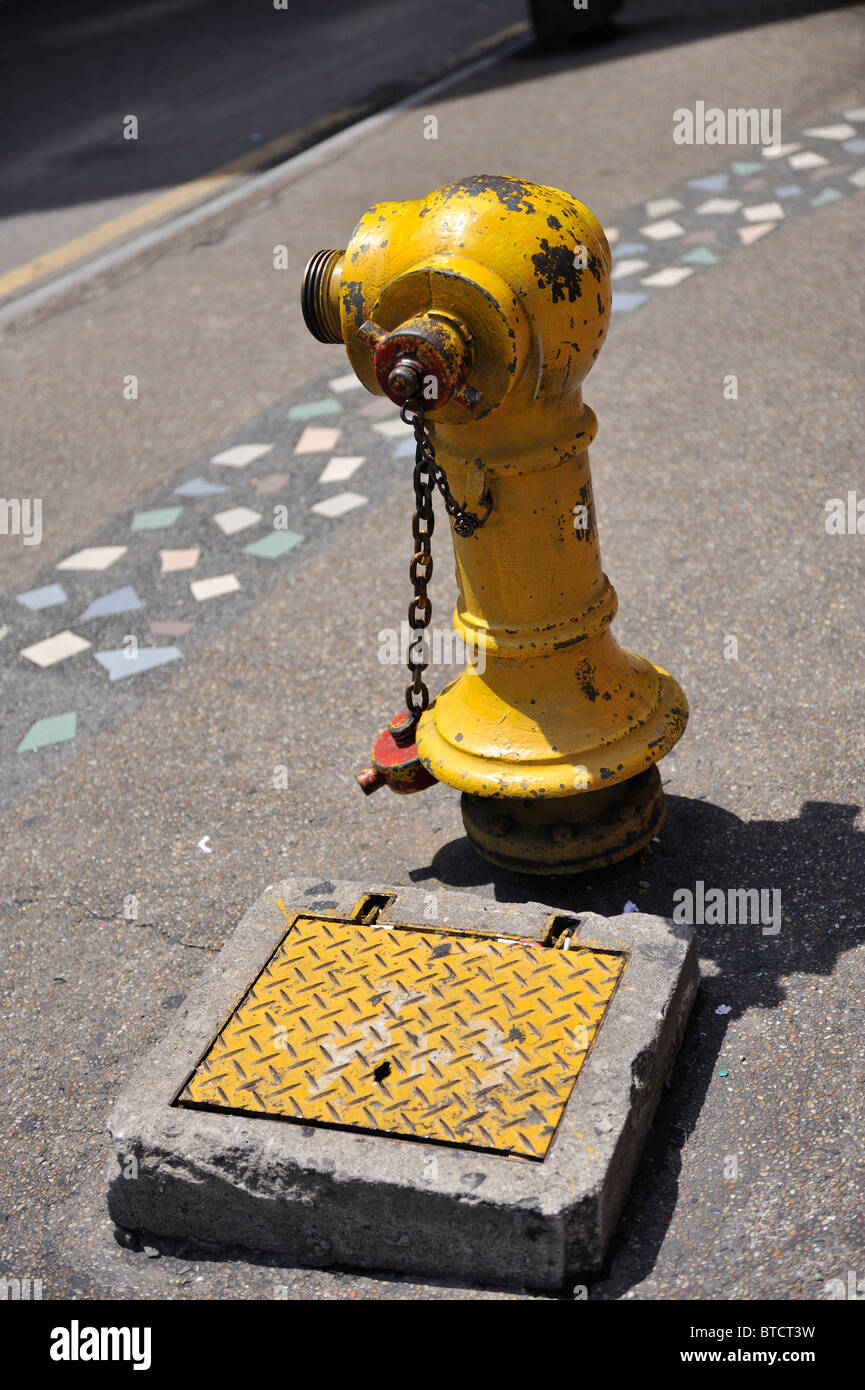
446 1036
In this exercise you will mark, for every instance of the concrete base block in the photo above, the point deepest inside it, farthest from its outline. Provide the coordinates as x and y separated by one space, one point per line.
312 1195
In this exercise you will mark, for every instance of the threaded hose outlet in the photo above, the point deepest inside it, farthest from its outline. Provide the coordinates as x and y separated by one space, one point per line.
319 296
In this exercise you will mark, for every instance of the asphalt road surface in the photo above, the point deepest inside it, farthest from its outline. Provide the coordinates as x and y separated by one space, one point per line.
134 838
208 82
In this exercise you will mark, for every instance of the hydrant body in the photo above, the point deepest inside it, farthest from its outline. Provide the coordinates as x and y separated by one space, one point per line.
554 737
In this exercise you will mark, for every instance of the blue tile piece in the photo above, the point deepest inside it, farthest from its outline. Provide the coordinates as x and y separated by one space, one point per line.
118 664
35 599
628 248
199 487
118 601
405 449
790 190
856 146
715 183
625 300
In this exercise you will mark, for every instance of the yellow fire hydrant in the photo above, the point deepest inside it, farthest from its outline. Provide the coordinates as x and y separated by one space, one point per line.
484 306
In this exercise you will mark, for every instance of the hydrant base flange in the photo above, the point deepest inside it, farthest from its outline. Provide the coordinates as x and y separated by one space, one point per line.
566 835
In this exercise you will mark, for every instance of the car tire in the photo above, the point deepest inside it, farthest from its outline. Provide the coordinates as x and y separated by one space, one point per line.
556 22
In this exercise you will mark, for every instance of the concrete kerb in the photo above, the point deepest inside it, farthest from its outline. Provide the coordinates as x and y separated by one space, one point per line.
310 1195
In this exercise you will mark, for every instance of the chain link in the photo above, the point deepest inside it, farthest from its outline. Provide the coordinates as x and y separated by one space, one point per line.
428 474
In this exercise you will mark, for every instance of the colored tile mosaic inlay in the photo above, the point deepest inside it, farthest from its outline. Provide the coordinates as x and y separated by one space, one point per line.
253 502
738 205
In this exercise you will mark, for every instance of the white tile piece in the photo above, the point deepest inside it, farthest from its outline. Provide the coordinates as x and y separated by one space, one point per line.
236 519
780 151
662 231
626 267
832 132
339 505
721 205
670 275
659 207
857 114
858 178
95 557
340 469
808 159
612 235
242 454
748 235
214 588
316 439
764 212
53 649
3 632
349 382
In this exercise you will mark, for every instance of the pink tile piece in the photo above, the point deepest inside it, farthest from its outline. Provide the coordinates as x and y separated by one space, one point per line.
272 483
173 560
317 439
830 171
169 628
700 239
377 409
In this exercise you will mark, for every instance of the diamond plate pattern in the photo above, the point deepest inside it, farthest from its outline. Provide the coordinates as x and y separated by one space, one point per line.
416 1033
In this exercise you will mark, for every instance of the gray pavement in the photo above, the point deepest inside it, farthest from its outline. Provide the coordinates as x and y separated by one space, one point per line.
711 515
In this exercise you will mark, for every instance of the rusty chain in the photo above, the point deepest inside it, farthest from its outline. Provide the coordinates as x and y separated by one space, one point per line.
428 474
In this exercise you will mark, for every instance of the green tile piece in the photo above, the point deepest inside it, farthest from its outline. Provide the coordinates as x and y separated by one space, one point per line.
827 195
270 547
328 406
59 728
701 255
158 520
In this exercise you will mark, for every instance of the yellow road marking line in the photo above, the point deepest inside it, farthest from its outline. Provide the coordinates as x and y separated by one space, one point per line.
170 201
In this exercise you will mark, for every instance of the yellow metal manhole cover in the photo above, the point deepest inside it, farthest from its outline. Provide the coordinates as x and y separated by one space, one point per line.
411 1032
